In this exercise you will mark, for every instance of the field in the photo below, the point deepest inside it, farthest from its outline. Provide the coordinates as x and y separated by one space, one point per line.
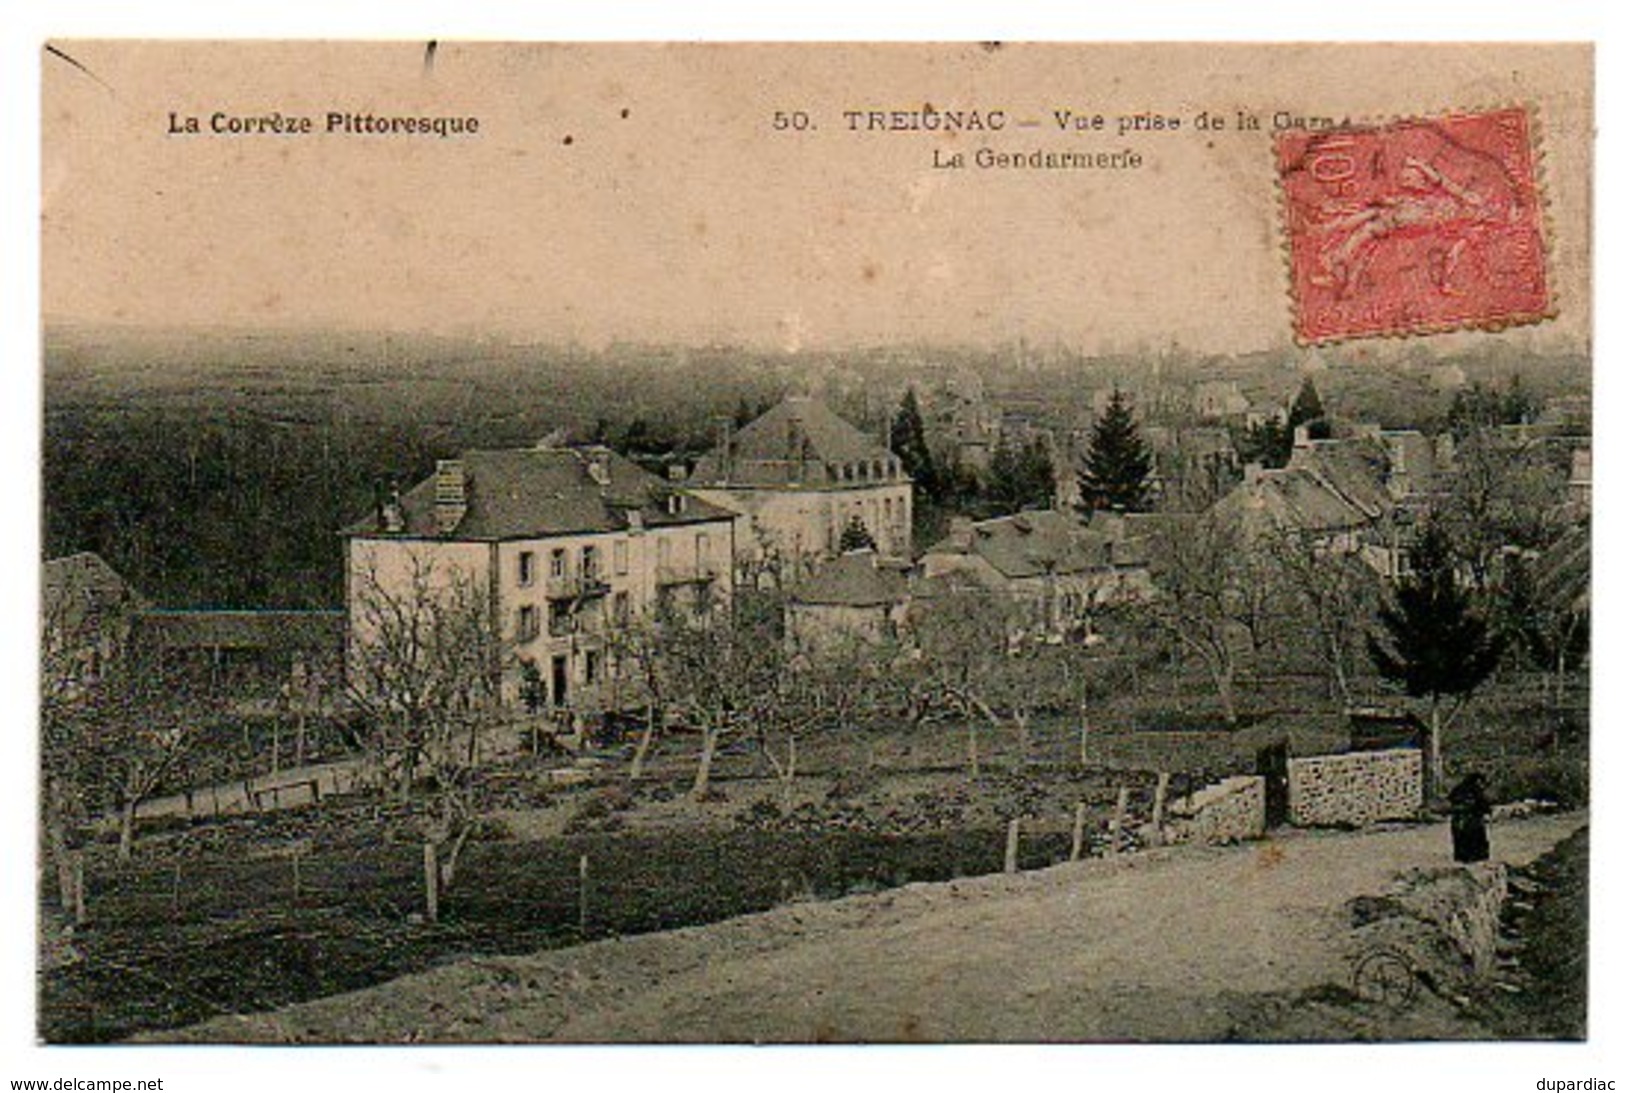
255 912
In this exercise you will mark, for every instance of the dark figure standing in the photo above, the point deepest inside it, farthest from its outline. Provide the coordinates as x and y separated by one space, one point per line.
1469 809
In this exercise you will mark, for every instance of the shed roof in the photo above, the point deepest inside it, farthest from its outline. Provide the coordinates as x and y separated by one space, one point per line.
856 579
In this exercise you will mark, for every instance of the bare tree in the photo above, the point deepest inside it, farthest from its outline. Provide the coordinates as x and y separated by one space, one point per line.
115 744
962 666
1205 595
839 688
1501 495
1334 599
426 669
721 671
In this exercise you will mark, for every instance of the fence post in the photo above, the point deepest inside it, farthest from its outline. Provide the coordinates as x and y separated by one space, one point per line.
81 913
1118 814
581 869
1012 844
1077 831
1159 802
431 883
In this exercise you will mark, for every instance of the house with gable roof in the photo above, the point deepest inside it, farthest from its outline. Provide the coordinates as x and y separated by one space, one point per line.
86 608
1057 567
567 546
854 597
799 476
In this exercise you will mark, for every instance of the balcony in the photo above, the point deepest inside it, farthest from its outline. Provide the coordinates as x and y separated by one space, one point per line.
572 624
701 573
576 588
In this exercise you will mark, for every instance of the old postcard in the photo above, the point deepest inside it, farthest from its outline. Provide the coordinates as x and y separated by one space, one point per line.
980 542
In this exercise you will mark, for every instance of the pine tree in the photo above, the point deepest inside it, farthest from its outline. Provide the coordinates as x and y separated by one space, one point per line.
1117 468
1307 409
1021 476
1267 442
908 443
1436 646
855 536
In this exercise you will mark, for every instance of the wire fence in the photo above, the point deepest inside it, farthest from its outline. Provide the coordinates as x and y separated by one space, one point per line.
593 884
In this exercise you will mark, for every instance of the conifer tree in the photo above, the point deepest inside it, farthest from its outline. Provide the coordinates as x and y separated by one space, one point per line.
909 445
1434 644
855 536
1307 409
1021 475
1116 470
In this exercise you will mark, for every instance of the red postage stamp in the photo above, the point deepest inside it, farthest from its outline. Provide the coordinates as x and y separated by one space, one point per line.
1414 227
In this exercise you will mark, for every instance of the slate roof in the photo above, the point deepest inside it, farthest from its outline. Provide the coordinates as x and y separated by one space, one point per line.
1031 544
1563 572
75 587
1418 455
1292 497
852 580
1355 469
534 493
800 442
206 629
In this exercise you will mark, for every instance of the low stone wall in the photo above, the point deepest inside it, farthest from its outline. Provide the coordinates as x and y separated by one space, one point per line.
1355 789
1227 811
1445 923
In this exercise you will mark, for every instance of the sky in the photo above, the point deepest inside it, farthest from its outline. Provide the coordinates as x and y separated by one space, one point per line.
637 192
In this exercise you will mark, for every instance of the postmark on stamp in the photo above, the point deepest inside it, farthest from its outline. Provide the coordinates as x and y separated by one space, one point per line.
1414 227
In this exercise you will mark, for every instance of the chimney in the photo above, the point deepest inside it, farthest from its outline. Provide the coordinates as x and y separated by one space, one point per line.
450 495
392 514
725 449
1300 436
1399 479
598 465
959 533
795 445
794 436
1444 452
1252 472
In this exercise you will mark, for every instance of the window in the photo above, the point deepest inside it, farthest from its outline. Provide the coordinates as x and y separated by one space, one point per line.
559 565
558 618
589 563
623 608
527 622
527 568
620 558
590 666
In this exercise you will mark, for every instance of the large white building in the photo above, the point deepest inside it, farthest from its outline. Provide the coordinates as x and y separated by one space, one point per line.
564 547
801 476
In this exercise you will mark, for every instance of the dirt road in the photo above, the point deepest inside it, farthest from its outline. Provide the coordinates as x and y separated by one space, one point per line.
1155 946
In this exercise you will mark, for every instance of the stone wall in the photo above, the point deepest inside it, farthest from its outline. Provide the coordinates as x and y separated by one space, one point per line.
1445 923
1354 789
1227 811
